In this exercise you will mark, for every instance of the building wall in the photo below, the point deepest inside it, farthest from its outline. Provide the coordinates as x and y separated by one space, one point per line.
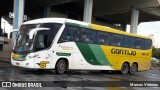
5 54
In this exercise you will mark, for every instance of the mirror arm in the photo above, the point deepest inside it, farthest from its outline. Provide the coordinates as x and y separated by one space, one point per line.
35 30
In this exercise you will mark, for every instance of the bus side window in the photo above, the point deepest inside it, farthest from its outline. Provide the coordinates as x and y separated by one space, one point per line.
70 33
64 36
103 38
68 37
148 44
54 28
87 36
41 42
129 42
139 43
117 40
75 33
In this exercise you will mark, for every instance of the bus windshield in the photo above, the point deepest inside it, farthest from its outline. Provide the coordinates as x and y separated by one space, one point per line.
23 43
41 39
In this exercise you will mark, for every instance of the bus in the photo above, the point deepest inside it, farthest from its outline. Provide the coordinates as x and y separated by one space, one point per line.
62 44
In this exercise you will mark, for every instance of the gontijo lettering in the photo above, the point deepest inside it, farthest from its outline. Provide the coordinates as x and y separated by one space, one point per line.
123 52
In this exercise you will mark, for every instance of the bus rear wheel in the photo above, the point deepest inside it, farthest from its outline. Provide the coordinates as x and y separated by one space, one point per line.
124 69
60 67
133 69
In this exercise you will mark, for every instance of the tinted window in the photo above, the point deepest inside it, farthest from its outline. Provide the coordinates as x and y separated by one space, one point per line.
54 27
70 33
87 35
128 42
75 33
139 43
64 35
103 38
148 44
117 40
22 44
44 38
41 42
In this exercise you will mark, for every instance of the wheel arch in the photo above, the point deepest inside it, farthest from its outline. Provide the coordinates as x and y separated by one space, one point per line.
126 62
66 60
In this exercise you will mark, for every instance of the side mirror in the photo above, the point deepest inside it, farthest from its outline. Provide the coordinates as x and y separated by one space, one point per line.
33 31
9 34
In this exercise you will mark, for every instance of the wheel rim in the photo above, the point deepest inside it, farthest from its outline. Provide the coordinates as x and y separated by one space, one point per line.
125 68
61 67
134 68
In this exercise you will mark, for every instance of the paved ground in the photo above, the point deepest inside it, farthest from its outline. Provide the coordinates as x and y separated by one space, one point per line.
10 73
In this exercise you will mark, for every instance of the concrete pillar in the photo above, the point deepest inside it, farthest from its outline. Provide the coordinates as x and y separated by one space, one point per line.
88 6
0 26
46 12
0 21
134 21
18 15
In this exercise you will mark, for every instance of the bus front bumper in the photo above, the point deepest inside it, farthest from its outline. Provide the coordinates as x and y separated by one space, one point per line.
24 64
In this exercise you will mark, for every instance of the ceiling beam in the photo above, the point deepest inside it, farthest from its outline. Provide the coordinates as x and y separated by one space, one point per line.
38 3
108 7
154 11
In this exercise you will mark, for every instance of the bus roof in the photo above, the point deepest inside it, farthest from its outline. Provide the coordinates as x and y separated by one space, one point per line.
112 30
46 20
82 24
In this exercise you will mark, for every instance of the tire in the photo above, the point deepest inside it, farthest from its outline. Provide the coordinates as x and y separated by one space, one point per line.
133 69
124 69
60 67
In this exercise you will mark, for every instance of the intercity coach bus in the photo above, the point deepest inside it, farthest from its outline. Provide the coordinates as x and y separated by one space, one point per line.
64 44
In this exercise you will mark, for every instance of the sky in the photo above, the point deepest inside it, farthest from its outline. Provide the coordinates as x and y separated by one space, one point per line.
148 28
144 29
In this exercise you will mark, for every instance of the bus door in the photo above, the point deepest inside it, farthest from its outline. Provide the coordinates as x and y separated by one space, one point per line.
42 56
42 60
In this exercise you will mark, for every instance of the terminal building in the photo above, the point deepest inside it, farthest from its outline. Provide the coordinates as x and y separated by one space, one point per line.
113 13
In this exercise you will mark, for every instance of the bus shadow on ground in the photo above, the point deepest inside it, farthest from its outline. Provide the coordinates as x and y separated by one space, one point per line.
70 72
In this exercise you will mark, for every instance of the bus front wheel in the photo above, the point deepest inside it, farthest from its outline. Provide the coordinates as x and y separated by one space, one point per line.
133 69
60 67
124 69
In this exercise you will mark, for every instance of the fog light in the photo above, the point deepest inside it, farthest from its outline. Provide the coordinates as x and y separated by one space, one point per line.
27 64
17 63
